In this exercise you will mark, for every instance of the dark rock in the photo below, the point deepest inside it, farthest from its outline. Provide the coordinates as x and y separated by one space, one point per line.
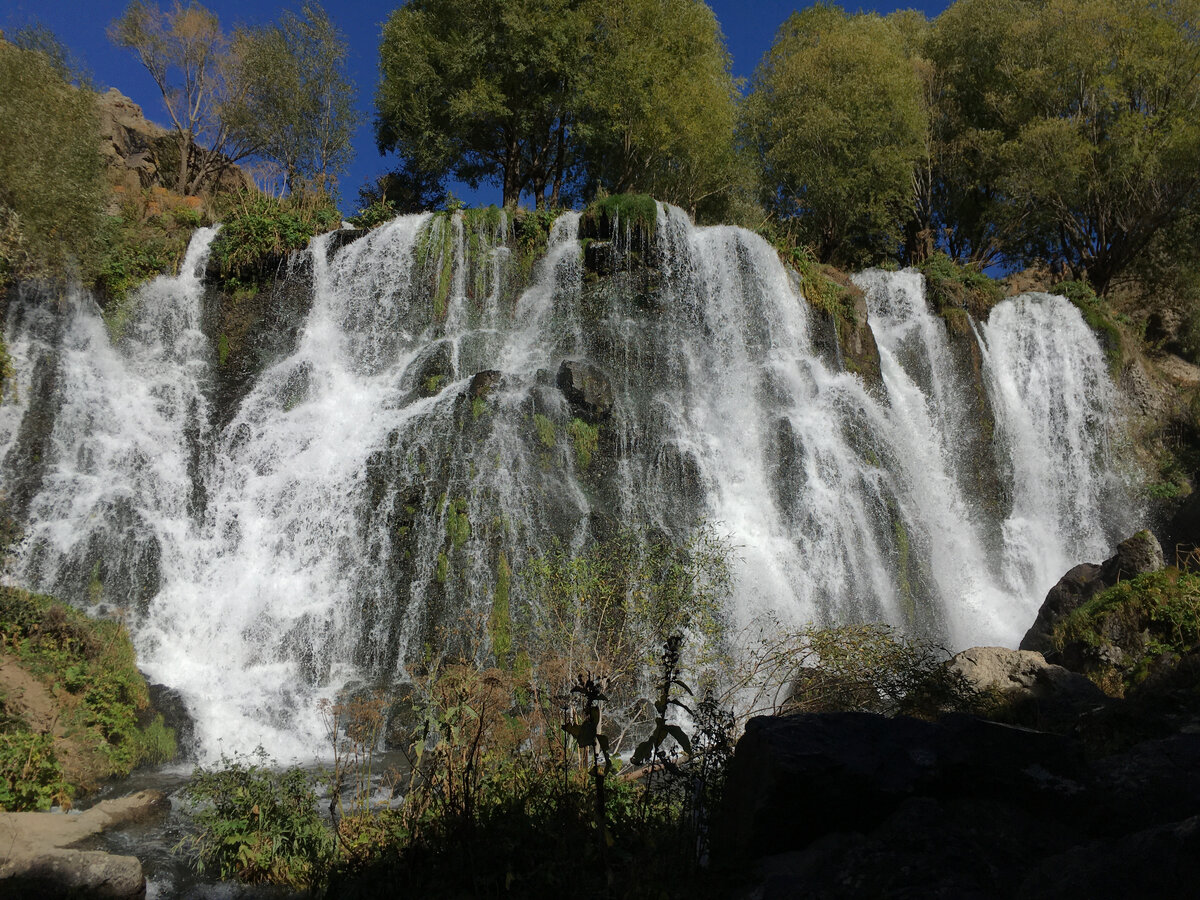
1161 862
432 370
483 383
170 703
343 237
796 778
587 389
1136 555
1152 782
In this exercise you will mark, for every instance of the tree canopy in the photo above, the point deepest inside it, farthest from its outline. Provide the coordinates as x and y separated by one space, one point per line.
546 96
836 119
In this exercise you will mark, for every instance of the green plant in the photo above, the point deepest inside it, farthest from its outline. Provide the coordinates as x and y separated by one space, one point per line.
1098 317
586 438
31 776
256 823
546 432
380 212
952 286
257 229
632 213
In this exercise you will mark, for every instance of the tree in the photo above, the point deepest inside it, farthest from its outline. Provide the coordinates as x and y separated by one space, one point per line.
481 89
1108 149
187 55
658 105
51 182
297 98
836 120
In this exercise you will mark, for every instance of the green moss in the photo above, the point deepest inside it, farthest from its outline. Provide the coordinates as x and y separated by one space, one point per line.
222 350
585 439
443 568
478 407
546 431
1147 617
458 525
432 384
8 373
954 289
531 233
500 621
95 589
903 559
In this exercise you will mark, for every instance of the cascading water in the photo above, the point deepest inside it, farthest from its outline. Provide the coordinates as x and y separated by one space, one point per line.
445 416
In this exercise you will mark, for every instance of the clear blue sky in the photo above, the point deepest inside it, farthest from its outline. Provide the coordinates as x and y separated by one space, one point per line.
749 27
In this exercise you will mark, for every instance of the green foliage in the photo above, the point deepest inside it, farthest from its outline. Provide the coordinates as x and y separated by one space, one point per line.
458 524
135 247
821 291
31 777
296 102
257 823
8 373
91 668
586 439
631 213
378 212
868 668
500 618
952 287
546 432
257 230
836 119
1145 619
50 169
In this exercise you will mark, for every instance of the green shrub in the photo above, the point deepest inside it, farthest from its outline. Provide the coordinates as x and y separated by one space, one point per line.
635 212
585 438
91 669
31 777
950 285
257 823
257 229
380 212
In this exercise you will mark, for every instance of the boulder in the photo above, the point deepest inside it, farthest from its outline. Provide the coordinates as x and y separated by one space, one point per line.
38 859
1135 555
1032 691
483 383
587 389
170 703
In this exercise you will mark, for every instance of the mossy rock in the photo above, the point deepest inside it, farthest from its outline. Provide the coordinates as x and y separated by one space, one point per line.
952 286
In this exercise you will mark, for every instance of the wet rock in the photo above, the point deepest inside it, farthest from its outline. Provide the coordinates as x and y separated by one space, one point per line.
483 383
432 370
1135 555
587 389
344 237
170 703
38 860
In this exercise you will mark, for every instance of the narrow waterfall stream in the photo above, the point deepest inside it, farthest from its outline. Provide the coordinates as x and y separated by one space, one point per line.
417 447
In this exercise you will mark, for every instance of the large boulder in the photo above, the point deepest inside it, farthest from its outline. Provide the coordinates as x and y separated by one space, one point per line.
1135 556
587 389
1026 688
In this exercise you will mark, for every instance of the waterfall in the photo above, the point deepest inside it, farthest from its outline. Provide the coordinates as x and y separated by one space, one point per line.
424 437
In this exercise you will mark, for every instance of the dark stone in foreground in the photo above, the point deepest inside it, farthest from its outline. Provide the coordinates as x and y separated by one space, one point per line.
587 389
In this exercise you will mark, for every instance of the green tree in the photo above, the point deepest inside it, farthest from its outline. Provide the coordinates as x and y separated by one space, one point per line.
189 58
1108 149
298 99
482 89
51 181
836 119
658 105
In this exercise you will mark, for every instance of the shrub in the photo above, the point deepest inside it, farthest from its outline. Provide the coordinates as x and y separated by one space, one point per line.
90 667
257 823
258 229
379 212
951 285
31 777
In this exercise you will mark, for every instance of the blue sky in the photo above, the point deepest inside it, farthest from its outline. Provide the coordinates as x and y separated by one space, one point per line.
749 27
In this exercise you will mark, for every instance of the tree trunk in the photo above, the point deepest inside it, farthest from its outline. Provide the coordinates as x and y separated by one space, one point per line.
185 150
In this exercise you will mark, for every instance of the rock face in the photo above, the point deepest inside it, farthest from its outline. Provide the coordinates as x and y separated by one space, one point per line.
856 805
587 389
1136 555
37 859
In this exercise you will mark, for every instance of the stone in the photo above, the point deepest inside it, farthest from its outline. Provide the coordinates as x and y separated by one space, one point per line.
169 702
483 383
1136 555
587 389
38 859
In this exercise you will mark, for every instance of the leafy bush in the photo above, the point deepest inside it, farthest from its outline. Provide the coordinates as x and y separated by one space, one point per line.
379 212
637 213
31 776
90 667
257 229
257 823
1118 637
50 168
867 668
